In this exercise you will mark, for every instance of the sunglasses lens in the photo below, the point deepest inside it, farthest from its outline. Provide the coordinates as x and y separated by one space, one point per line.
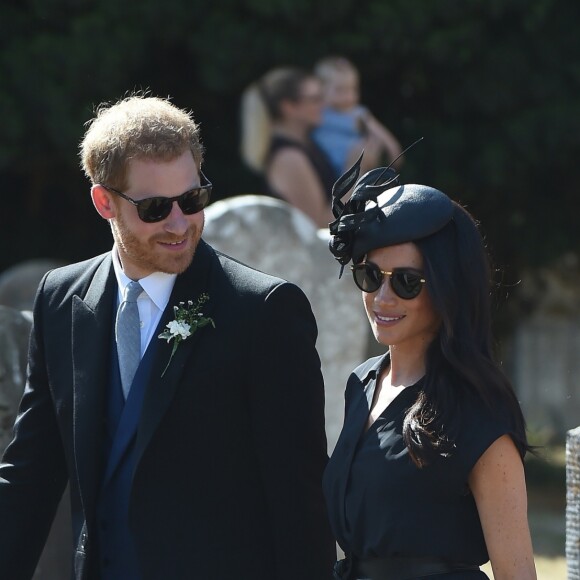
195 200
154 209
367 277
406 285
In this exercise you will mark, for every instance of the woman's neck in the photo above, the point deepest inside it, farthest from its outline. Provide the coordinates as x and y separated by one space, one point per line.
407 366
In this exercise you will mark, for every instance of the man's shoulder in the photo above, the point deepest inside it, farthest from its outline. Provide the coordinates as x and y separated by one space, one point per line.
244 276
77 269
74 275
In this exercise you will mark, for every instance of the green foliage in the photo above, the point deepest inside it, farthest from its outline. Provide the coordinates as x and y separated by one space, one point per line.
491 85
546 470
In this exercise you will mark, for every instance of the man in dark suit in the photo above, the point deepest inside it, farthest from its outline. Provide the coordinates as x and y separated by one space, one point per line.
205 461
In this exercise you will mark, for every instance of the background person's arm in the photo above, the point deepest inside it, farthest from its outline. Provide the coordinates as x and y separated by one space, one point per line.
292 176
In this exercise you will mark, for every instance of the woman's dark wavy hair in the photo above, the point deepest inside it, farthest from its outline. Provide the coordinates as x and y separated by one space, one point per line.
458 275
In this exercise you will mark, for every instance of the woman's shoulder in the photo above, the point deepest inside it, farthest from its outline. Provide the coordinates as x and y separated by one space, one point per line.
280 143
478 424
476 407
288 154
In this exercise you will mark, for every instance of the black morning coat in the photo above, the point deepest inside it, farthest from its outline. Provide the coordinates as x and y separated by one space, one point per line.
230 446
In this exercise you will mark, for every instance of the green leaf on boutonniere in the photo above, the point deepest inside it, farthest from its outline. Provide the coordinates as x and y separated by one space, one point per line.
188 319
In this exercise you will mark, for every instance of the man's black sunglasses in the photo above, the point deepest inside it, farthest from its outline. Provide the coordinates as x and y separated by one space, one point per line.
155 209
406 283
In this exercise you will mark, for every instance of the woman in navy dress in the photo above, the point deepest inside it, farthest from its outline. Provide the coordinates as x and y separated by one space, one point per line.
426 479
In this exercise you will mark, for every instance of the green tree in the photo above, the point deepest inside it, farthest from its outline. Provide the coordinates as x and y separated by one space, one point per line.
491 85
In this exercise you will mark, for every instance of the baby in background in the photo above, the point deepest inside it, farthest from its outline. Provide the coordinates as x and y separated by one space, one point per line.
347 126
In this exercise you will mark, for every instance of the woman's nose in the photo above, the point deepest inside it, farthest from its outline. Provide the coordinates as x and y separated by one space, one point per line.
385 294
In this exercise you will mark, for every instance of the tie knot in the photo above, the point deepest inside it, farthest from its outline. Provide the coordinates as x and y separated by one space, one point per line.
132 291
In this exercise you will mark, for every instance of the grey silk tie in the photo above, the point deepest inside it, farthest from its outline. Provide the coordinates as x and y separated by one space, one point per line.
128 335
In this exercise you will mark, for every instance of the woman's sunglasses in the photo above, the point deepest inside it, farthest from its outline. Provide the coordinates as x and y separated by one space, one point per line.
406 284
155 209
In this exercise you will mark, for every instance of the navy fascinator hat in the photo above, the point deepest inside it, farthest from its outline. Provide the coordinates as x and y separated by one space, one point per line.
382 212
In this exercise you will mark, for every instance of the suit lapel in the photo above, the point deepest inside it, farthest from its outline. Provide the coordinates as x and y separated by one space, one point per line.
91 337
160 390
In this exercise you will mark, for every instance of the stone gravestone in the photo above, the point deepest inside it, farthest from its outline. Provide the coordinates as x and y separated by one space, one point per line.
573 504
18 283
14 331
17 290
274 237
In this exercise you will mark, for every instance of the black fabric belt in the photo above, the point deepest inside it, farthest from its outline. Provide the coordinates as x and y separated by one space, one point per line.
401 568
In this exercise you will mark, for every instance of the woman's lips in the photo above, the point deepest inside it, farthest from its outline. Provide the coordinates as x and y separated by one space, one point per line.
388 320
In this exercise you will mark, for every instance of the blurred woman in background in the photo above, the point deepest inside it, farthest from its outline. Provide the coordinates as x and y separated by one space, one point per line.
278 114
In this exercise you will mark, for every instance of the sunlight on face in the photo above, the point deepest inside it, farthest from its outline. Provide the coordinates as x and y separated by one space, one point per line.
166 246
395 321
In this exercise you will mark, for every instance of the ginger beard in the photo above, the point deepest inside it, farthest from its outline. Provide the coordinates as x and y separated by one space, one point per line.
146 254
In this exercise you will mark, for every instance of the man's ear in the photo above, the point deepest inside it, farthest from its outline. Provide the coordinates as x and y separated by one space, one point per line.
103 202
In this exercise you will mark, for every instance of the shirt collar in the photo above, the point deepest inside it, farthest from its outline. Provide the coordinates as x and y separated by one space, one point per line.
158 285
375 369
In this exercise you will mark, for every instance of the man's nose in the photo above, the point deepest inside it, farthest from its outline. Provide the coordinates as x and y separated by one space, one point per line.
176 222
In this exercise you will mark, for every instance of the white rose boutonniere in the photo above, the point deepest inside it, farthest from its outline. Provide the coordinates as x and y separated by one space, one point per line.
188 319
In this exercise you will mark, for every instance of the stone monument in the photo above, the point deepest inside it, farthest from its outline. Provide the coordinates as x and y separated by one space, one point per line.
14 332
18 283
573 504
17 290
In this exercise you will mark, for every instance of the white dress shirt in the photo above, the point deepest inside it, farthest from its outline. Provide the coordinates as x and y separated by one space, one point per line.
157 288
